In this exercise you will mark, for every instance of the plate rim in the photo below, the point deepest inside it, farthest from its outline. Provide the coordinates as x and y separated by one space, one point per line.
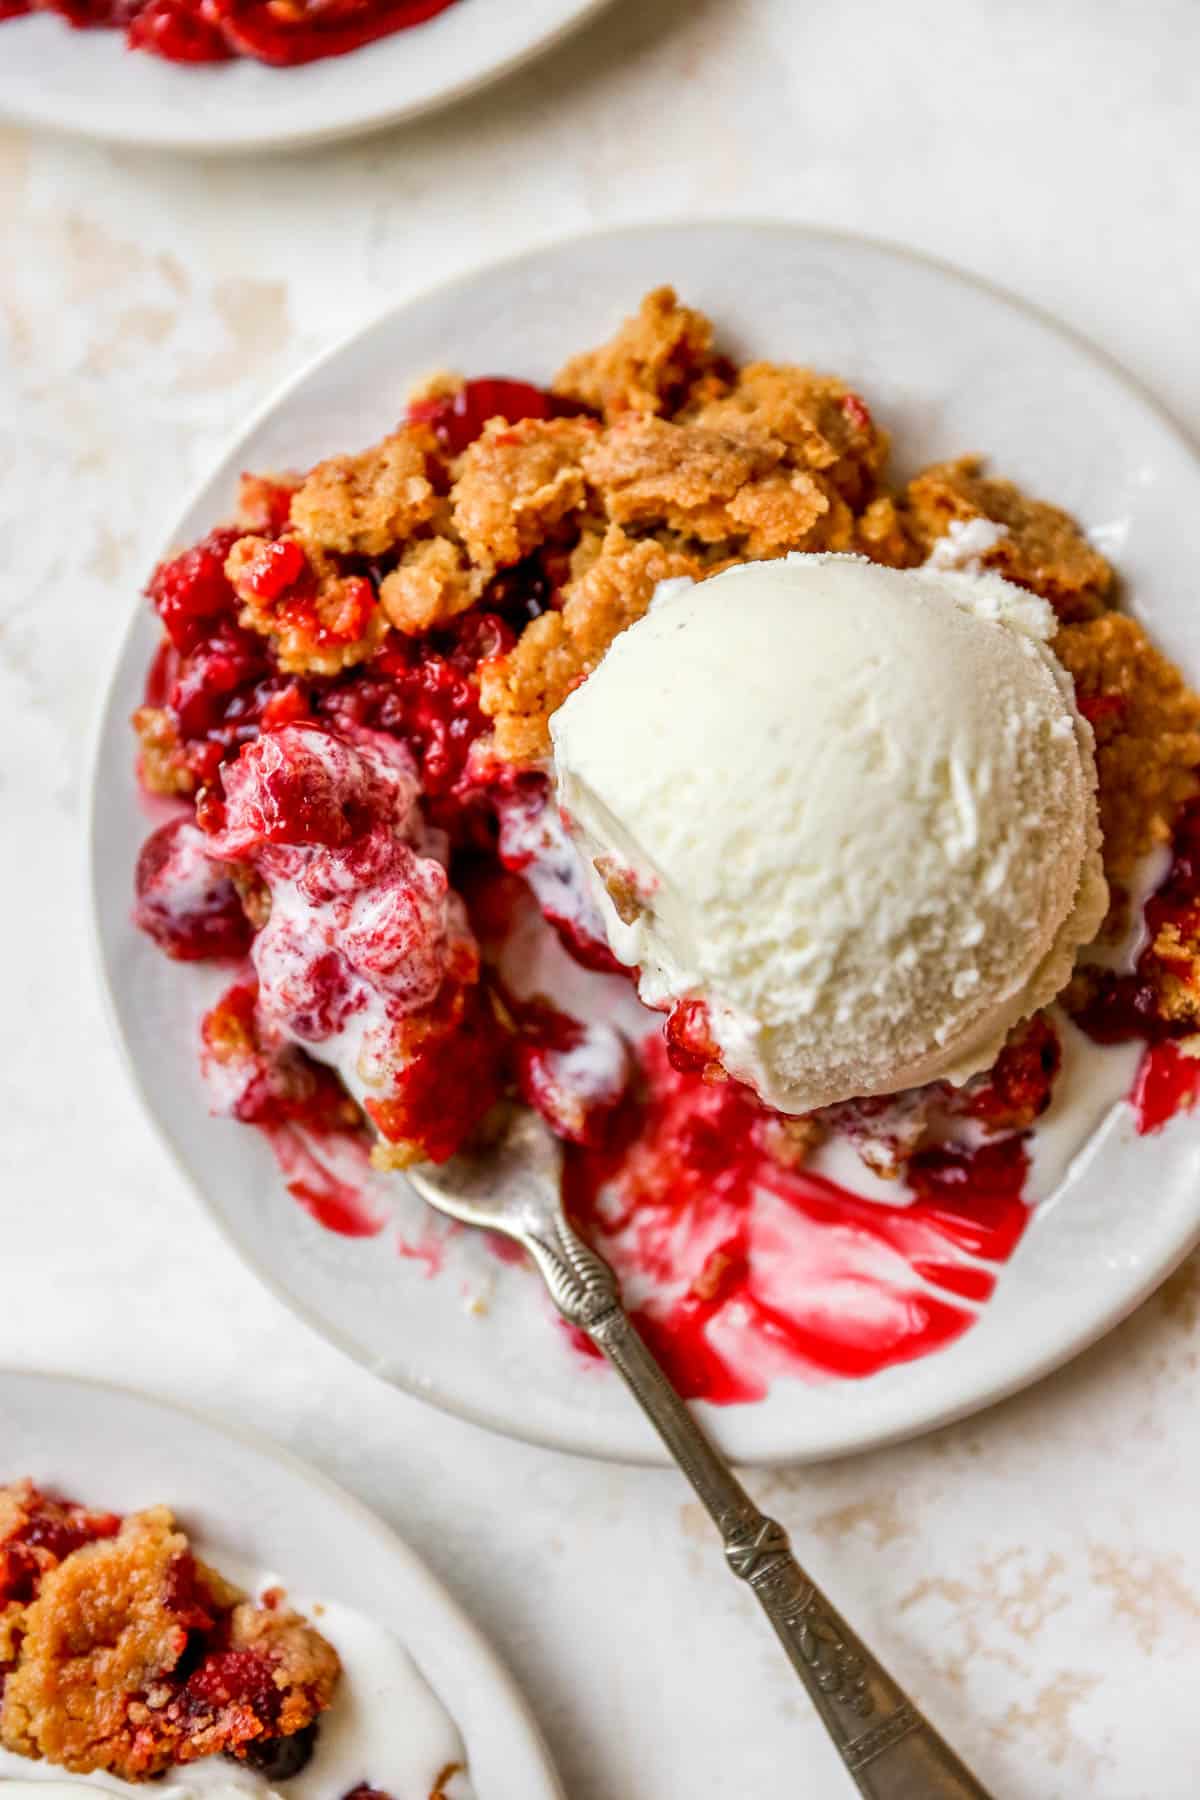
644 1453
390 1541
26 112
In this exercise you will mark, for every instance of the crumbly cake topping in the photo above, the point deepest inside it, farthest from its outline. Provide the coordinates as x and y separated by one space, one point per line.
823 426
653 456
121 1651
737 492
1041 547
431 584
1147 727
363 505
515 483
558 650
161 764
650 366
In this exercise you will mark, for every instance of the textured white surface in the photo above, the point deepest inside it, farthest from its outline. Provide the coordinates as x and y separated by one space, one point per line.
1033 1574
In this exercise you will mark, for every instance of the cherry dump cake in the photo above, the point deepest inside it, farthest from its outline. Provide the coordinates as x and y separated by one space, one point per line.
283 33
349 720
120 1651
123 1654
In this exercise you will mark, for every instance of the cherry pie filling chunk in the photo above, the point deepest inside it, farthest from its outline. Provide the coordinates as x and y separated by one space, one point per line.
348 718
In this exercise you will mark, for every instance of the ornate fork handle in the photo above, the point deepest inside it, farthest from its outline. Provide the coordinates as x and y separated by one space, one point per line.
888 1746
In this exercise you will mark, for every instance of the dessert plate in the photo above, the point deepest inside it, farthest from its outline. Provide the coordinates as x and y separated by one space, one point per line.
251 1504
949 365
88 82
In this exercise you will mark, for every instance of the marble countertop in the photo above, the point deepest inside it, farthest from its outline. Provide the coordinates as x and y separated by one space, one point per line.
1031 1573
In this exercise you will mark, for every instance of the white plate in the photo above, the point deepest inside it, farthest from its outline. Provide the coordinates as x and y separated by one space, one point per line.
950 366
248 1501
88 82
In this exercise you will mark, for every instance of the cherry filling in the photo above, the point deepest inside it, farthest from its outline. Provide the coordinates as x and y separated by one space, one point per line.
751 1268
186 901
190 593
425 693
533 844
340 820
53 1528
1117 1008
576 1076
458 418
691 1048
205 31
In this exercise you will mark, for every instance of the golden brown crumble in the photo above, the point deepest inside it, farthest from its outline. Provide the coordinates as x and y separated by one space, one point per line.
621 888
822 423
1147 726
881 532
1176 950
98 1685
515 483
699 463
708 485
565 525
162 764
1042 548
363 505
648 367
792 1140
556 651
431 584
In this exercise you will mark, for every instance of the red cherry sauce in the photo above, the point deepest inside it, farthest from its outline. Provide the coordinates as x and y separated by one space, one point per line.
1125 1007
51 1530
741 1269
208 31
186 902
327 1180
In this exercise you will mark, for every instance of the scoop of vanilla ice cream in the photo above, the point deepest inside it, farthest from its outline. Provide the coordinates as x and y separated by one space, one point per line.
852 809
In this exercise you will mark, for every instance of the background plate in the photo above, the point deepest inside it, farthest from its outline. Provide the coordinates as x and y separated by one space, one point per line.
88 82
949 366
110 1447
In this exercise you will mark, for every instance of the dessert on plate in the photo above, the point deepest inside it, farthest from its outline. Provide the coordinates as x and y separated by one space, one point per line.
211 31
801 846
124 1655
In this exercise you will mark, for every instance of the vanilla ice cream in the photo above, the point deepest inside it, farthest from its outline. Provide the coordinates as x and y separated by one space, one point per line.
852 809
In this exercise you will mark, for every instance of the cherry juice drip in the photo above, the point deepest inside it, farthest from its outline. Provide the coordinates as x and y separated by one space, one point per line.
739 1269
209 31
335 1200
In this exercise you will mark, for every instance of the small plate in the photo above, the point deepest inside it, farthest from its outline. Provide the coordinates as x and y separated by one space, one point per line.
88 82
246 1500
949 366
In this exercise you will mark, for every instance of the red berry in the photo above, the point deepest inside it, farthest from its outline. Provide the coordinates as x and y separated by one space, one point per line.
190 592
185 901
457 419
274 569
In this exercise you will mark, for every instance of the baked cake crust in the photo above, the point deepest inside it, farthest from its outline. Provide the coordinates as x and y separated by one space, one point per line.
121 1651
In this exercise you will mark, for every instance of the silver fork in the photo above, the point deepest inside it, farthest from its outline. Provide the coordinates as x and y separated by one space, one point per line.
889 1748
